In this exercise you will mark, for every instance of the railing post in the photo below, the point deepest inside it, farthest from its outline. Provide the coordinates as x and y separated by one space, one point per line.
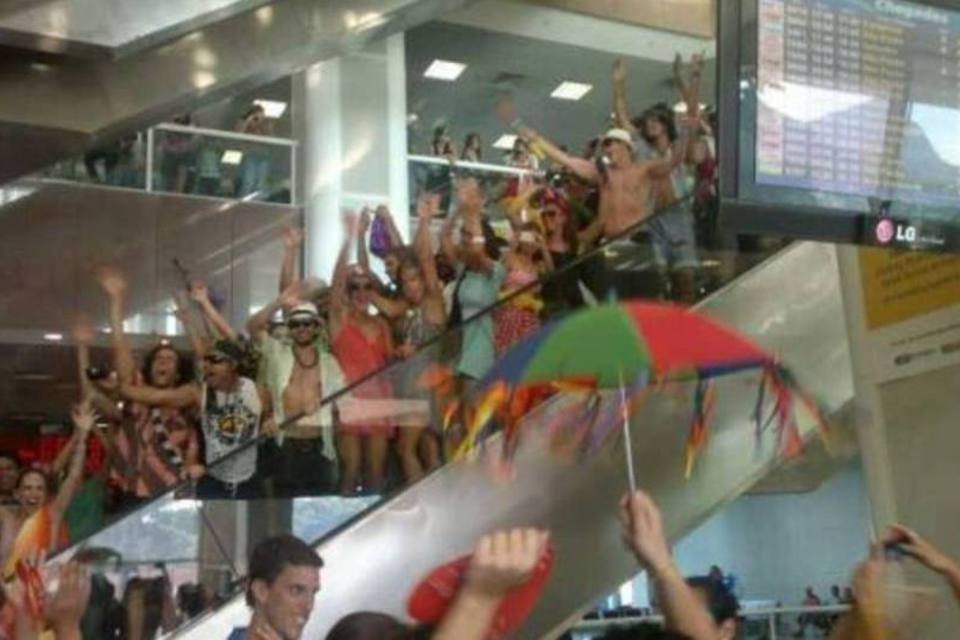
148 165
772 620
293 174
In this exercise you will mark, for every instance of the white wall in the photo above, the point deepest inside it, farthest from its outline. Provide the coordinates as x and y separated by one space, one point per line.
776 545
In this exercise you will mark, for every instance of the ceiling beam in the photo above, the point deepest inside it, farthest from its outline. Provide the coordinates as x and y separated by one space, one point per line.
691 17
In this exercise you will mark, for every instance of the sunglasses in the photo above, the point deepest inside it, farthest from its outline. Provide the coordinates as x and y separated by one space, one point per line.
214 359
608 143
302 324
366 286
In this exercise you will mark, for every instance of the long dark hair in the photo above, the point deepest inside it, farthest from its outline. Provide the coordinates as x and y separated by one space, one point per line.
185 369
467 145
659 112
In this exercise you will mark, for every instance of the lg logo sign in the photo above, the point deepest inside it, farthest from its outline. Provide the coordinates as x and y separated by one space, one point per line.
887 231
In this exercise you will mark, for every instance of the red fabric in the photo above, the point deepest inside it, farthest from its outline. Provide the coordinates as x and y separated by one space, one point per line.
433 596
680 340
359 357
511 325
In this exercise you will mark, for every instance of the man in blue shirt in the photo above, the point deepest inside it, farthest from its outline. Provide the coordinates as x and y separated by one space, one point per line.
282 584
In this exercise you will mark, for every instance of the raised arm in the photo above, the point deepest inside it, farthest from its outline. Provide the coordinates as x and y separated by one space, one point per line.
502 561
84 418
449 248
621 109
83 336
363 227
196 336
115 286
292 245
339 301
201 295
427 206
927 554
391 307
580 166
644 535
185 395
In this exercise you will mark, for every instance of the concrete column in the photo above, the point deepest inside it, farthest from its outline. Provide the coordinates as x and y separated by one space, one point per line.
350 116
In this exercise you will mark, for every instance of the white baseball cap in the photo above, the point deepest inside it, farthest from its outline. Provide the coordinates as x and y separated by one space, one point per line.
620 135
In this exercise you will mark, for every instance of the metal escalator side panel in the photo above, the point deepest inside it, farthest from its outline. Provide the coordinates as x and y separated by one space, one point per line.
791 305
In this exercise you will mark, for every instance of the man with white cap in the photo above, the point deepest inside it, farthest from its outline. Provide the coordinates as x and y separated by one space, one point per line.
625 183
299 372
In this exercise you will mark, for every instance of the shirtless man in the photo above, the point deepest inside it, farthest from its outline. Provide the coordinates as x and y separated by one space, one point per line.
299 373
625 184
673 241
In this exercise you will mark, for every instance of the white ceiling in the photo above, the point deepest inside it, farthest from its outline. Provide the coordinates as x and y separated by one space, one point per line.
529 68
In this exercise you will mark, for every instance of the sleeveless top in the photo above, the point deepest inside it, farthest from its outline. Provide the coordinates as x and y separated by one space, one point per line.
231 420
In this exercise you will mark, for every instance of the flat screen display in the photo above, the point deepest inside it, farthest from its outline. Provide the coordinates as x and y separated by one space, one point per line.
849 111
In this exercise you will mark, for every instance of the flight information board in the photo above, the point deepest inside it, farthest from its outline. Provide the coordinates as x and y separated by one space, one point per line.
860 97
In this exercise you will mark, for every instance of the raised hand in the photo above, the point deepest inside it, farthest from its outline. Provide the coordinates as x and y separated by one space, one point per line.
363 225
83 332
504 560
68 604
291 296
506 111
427 205
619 70
350 222
84 417
292 238
920 549
643 531
199 292
112 282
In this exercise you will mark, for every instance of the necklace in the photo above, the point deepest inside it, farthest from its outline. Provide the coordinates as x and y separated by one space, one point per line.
304 365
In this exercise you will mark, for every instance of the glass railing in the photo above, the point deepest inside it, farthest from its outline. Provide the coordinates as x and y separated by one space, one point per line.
756 623
439 175
172 158
421 392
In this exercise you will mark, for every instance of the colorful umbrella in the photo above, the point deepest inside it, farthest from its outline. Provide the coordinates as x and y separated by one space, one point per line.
636 341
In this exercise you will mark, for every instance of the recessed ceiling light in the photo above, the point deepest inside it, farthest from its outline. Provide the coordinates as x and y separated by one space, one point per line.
506 141
53 337
272 108
444 70
231 156
571 91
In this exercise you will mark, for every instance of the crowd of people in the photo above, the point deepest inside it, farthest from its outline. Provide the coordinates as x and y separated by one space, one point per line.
244 416
284 583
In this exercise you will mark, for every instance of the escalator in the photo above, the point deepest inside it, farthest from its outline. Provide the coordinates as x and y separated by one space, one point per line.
374 551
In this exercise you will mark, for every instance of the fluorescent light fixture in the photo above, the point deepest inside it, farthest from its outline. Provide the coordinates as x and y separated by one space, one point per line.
53 337
681 107
444 70
571 91
506 141
232 156
272 108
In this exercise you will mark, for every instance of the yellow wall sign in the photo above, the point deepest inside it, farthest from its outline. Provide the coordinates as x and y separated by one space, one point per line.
900 285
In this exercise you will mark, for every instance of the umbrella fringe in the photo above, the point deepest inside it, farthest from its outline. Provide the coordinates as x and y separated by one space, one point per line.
703 412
